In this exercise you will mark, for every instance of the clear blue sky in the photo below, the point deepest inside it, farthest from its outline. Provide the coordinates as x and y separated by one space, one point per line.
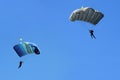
67 50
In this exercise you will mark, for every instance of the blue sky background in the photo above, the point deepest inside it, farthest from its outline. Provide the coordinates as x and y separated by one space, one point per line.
67 50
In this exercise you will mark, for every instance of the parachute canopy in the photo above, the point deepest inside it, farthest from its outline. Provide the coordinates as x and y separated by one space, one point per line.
25 48
86 14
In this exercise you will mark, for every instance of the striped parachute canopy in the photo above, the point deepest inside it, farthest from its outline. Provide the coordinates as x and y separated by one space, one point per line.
86 14
25 48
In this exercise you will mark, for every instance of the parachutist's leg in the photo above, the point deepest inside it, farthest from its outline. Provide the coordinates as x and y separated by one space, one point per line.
94 36
91 36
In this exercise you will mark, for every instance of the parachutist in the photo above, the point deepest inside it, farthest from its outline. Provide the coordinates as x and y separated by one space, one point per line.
20 64
92 34
87 14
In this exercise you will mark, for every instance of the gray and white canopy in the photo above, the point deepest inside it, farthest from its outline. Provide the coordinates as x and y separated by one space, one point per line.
87 14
